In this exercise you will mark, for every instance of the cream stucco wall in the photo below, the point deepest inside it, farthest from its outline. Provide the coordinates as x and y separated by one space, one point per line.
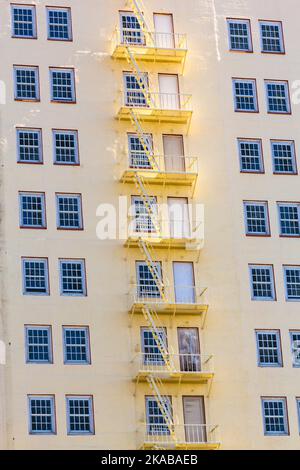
234 402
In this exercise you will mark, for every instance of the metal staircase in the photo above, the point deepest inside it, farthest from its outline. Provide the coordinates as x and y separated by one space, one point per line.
140 12
156 385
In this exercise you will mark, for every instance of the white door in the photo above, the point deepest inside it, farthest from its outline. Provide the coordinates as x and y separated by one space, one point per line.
164 32
174 153
168 89
194 419
184 282
179 219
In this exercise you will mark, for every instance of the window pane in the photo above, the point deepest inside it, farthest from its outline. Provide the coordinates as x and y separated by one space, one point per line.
41 411
284 158
250 153
268 347
69 211
278 98
271 37
35 276
76 345
38 344
240 37
32 210
245 95
292 283
80 419
72 277
26 83
262 283
23 21
29 145
66 147
275 419
59 24
256 215
62 85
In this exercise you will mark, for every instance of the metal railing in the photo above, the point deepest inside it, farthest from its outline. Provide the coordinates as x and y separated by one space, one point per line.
156 227
138 159
138 37
185 434
149 293
138 98
185 363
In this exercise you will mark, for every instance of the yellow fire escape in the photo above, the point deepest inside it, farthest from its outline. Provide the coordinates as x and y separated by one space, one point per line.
150 50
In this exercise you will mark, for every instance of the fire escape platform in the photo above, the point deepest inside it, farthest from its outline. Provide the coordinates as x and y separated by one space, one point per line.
181 446
171 308
176 377
150 54
160 177
158 242
159 115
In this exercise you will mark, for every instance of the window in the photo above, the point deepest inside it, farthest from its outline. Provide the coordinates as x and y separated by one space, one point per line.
292 282
289 219
151 351
278 100
38 344
134 92
23 21
62 85
41 415
156 423
250 153
66 147
256 218
143 221
298 409
269 348
69 215
59 24
275 416
147 286
80 415
284 157
72 277
262 282
239 35
295 345
245 95
32 210
29 145
271 37
131 32
35 276
76 345
26 83
138 157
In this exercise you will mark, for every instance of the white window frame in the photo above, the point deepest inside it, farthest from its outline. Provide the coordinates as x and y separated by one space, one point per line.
89 398
34 28
292 205
52 401
37 87
87 345
293 150
43 204
139 154
39 260
39 327
139 100
158 266
292 268
278 23
40 146
76 145
271 269
255 97
168 401
80 218
278 349
296 363
123 36
263 204
73 294
65 9
154 357
258 142
287 96
143 219
62 70
274 399
249 35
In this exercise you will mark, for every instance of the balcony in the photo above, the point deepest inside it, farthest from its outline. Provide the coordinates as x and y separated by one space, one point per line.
163 169
179 300
182 368
156 107
185 437
165 233
150 46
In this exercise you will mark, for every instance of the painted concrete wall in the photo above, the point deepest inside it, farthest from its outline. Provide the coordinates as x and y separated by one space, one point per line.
234 402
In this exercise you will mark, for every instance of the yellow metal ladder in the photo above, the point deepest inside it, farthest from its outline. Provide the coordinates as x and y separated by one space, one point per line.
140 12
148 202
156 385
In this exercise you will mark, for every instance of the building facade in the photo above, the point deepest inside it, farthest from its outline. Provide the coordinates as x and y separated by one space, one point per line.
150 225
